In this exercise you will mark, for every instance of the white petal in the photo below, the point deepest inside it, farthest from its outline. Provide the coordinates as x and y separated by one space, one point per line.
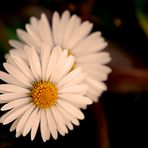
10 59
67 122
95 85
97 67
72 24
48 134
23 67
87 42
60 130
101 58
46 29
43 125
14 124
35 125
45 55
59 65
55 71
61 61
78 99
95 73
18 135
75 81
96 46
67 115
75 89
16 103
9 79
24 118
59 120
62 26
51 124
69 125
71 109
74 73
81 31
16 114
12 88
17 74
93 95
33 36
17 52
30 122
16 44
34 23
34 62
12 96
6 115
25 37
55 26
92 43
52 61
66 68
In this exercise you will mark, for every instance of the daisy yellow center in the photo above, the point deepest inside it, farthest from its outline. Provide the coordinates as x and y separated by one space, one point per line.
44 94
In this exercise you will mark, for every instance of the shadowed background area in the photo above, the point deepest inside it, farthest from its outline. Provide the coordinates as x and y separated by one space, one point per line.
120 118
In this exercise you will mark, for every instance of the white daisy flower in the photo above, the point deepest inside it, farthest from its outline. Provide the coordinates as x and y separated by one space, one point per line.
45 92
71 34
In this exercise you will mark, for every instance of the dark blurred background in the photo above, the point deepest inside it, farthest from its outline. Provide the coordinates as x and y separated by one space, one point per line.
120 119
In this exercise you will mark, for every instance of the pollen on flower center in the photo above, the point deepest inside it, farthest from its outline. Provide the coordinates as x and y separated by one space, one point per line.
44 94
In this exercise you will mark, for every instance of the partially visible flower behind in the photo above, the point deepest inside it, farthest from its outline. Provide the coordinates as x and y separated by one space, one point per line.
43 93
70 33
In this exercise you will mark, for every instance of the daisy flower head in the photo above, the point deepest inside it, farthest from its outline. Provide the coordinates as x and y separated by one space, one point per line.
45 92
70 33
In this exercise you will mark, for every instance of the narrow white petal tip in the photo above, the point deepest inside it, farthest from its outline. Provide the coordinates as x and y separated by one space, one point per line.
55 138
90 102
10 42
106 43
24 134
91 25
43 15
4 64
4 123
18 135
55 13
82 117
27 26
11 130
44 140
18 30
32 138
66 12
3 109
84 108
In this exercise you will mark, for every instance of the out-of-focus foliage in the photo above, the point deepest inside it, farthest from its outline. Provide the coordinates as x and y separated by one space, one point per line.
142 14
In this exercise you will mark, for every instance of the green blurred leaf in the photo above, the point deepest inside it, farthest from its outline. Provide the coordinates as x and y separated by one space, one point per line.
143 20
